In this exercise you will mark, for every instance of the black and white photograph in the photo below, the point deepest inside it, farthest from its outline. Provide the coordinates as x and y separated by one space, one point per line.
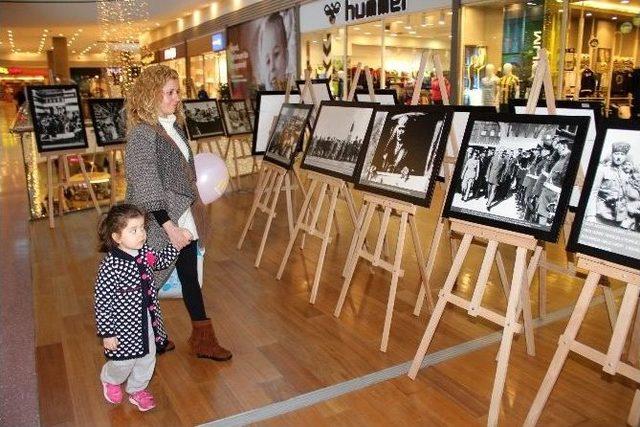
516 171
235 117
607 224
592 109
383 96
268 106
57 117
337 138
202 118
287 134
109 123
404 148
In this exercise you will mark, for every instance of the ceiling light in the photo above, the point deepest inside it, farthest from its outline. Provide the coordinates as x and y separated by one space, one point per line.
624 1
367 33
377 25
60 35
398 22
588 14
412 32
157 24
615 18
450 13
441 21
356 28
530 3
407 27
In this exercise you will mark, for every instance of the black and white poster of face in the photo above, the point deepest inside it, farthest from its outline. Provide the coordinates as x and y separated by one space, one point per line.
268 109
288 131
401 154
514 173
337 138
203 119
236 117
57 117
612 215
108 121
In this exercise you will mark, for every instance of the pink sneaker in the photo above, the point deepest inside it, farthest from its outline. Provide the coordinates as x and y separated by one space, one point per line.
112 392
143 400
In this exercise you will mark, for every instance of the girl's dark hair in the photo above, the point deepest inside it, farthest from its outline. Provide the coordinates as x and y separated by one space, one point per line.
114 222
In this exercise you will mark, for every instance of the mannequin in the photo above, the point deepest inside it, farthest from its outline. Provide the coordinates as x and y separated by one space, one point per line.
509 84
490 85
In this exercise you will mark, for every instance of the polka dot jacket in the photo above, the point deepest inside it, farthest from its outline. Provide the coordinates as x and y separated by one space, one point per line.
125 294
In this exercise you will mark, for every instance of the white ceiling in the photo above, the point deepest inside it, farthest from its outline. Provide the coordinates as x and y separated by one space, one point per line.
27 20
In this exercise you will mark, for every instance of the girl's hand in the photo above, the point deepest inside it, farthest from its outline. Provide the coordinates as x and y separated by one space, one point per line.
110 343
179 237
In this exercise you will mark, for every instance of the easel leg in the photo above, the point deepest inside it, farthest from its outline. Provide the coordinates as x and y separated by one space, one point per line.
287 193
431 259
559 358
632 354
425 287
88 183
256 200
610 302
634 413
440 305
542 285
112 174
519 274
352 258
235 163
502 272
50 212
62 160
483 278
387 251
325 241
354 239
271 215
621 329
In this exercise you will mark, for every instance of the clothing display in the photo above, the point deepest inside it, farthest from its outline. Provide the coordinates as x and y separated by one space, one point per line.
508 88
489 87
587 83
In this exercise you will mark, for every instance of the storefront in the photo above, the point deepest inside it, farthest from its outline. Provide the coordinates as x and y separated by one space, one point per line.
208 64
388 36
176 58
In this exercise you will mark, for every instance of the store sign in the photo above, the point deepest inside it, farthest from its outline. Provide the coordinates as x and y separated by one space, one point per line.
343 12
636 20
594 42
4 70
218 42
626 27
170 53
12 71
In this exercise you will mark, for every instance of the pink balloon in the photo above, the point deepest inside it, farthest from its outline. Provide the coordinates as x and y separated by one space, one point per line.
212 176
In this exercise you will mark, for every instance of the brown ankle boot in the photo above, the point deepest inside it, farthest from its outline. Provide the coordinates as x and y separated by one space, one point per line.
204 344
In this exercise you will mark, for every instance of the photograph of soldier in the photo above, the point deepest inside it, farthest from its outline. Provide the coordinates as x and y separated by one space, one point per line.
287 134
108 120
514 171
608 218
401 153
202 118
57 118
337 138
235 116
268 105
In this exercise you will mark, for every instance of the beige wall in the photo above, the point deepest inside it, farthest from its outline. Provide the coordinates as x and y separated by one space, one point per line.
483 26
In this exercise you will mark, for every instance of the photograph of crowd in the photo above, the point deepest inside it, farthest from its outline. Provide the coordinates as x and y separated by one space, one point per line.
517 171
337 138
108 119
287 135
202 118
268 104
56 114
403 150
236 117
609 214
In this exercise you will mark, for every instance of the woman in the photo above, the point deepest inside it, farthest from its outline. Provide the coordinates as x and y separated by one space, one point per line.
161 179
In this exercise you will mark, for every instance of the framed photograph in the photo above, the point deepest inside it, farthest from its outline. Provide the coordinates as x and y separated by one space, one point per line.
337 138
287 134
607 223
268 106
528 164
458 125
403 149
109 122
320 89
235 117
203 118
591 109
383 96
57 117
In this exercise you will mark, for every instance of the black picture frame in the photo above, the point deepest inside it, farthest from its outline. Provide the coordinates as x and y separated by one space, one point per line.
69 95
608 230
211 128
284 122
238 104
263 122
97 108
325 106
596 107
320 84
436 128
362 95
550 234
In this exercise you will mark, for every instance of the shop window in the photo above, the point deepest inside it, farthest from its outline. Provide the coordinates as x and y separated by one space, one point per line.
323 53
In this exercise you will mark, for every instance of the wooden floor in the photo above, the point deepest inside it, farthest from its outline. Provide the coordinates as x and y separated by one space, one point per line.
284 347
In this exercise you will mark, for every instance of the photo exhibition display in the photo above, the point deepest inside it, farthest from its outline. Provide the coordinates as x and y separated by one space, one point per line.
203 118
268 104
607 224
403 150
109 122
235 117
516 172
286 138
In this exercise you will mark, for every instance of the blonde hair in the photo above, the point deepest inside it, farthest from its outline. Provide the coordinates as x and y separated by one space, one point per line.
146 94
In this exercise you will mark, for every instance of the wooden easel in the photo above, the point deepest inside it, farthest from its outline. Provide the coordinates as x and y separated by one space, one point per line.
517 296
611 360
358 249
271 177
239 146
63 181
112 151
309 215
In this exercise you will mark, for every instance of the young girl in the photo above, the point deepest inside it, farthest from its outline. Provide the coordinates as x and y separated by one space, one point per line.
128 317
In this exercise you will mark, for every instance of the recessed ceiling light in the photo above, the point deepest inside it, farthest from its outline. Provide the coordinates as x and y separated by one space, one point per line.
588 14
624 1
407 27
60 35
356 28
615 18
450 12
157 24
377 25
412 32
367 33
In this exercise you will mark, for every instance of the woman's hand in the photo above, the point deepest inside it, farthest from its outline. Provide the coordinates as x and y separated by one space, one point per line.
110 343
179 237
